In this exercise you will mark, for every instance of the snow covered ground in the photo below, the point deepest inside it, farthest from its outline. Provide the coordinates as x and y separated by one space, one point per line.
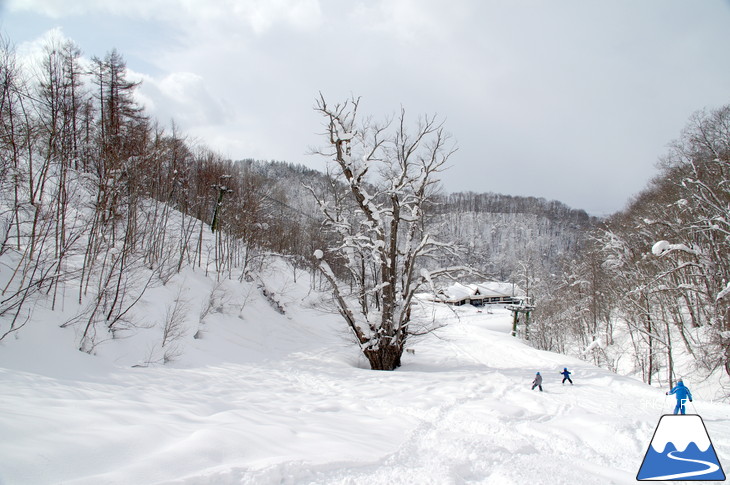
271 398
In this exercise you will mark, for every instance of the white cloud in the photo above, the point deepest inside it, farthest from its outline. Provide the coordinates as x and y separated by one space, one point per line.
259 15
412 21
572 100
184 97
31 53
48 7
301 14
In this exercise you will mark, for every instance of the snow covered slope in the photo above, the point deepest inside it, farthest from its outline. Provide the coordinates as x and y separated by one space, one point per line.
271 398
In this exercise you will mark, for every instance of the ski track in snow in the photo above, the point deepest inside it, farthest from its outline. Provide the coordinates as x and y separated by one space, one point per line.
301 410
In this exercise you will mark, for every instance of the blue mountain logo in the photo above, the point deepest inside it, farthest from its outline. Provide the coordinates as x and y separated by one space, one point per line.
681 450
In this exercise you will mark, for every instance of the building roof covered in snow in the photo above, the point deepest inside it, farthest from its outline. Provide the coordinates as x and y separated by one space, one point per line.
497 288
456 292
478 293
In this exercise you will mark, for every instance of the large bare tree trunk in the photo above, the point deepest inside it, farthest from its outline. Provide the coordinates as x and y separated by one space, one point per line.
386 357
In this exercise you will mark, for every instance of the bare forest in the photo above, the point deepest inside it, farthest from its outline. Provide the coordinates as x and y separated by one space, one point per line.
648 294
89 183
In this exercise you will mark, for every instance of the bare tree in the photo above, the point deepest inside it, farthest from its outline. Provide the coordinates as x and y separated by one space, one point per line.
390 174
174 328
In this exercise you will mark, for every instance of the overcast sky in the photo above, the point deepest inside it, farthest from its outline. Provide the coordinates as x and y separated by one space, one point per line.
573 100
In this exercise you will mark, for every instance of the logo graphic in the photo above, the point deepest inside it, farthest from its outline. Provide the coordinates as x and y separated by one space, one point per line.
681 450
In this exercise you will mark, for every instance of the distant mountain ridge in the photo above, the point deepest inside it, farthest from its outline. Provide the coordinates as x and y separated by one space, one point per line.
497 232
494 203
502 234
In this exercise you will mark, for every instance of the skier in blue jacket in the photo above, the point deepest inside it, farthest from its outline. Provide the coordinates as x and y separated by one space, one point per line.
566 376
682 393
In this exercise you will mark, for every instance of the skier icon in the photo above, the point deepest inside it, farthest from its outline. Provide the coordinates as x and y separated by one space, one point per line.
566 376
537 382
683 394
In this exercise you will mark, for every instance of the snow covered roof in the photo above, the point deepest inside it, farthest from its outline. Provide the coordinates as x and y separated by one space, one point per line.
456 292
498 288
487 289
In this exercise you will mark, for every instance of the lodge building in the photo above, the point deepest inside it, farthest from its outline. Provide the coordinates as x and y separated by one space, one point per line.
480 294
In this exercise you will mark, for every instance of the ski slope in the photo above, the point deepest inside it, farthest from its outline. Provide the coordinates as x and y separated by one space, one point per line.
266 398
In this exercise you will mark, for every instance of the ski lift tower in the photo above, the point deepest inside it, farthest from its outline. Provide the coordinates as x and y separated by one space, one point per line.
525 308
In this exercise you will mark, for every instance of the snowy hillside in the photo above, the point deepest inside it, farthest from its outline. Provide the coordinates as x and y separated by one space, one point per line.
264 397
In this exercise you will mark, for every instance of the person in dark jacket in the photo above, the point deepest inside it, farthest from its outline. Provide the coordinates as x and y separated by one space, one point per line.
682 393
566 376
537 382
